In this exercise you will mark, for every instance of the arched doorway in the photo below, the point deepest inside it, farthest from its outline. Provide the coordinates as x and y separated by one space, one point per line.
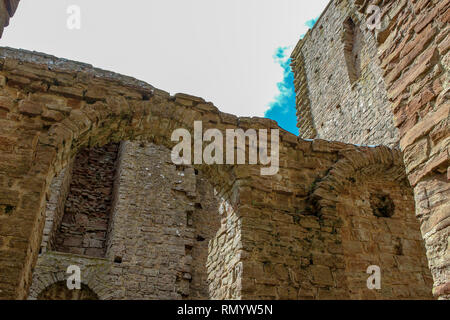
59 291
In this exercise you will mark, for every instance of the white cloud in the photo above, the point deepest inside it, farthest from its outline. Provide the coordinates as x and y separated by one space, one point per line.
218 49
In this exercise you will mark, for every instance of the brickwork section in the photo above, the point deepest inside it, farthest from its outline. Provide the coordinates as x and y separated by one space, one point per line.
161 226
339 85
164 219
88 204
414 56
392 243
303 102
318 241
206 219
97 279
269 225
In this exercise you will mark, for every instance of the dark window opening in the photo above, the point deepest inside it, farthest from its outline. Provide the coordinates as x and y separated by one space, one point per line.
352 39
200 238
59 291
84 226
382 205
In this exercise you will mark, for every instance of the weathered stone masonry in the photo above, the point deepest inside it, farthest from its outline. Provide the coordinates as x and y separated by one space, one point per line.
414 56
308 232
411 54
7 10
341 95
288 236
158 237
88 204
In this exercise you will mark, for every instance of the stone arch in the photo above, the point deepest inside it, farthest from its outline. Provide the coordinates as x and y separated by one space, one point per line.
59 291
379 226
352 39
69 106
92 275
382 160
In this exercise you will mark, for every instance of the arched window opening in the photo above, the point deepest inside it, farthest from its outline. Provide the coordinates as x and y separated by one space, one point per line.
352 39
59 291
87 209
382 205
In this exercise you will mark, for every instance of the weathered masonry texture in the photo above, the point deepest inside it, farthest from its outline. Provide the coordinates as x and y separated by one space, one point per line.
414 55
221 232
341 95
86 177
411 55
88 203
7 10
164 217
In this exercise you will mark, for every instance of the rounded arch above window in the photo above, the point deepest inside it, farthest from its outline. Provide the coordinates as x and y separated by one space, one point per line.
59 291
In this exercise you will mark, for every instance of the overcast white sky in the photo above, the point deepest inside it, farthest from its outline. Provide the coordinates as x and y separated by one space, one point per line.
217 49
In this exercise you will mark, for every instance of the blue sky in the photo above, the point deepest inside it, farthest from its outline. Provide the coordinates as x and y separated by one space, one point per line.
282 108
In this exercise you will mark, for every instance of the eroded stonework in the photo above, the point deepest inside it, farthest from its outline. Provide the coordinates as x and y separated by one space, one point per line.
224 231
163 219
263 237
88 203
410 54
341 95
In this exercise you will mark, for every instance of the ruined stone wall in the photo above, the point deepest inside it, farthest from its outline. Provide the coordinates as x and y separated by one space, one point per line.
269 225
379 229
313 236
161 226
88 205
414 54
164 218
340 91
57 195
412 50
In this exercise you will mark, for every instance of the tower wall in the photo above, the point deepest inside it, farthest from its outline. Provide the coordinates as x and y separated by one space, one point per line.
340 91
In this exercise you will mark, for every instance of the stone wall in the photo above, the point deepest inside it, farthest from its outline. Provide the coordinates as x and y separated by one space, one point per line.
88 204
161 226
166 240
51 271
57 195
415 59
340 91
164 220
379 229
314 235
410 53
269 225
